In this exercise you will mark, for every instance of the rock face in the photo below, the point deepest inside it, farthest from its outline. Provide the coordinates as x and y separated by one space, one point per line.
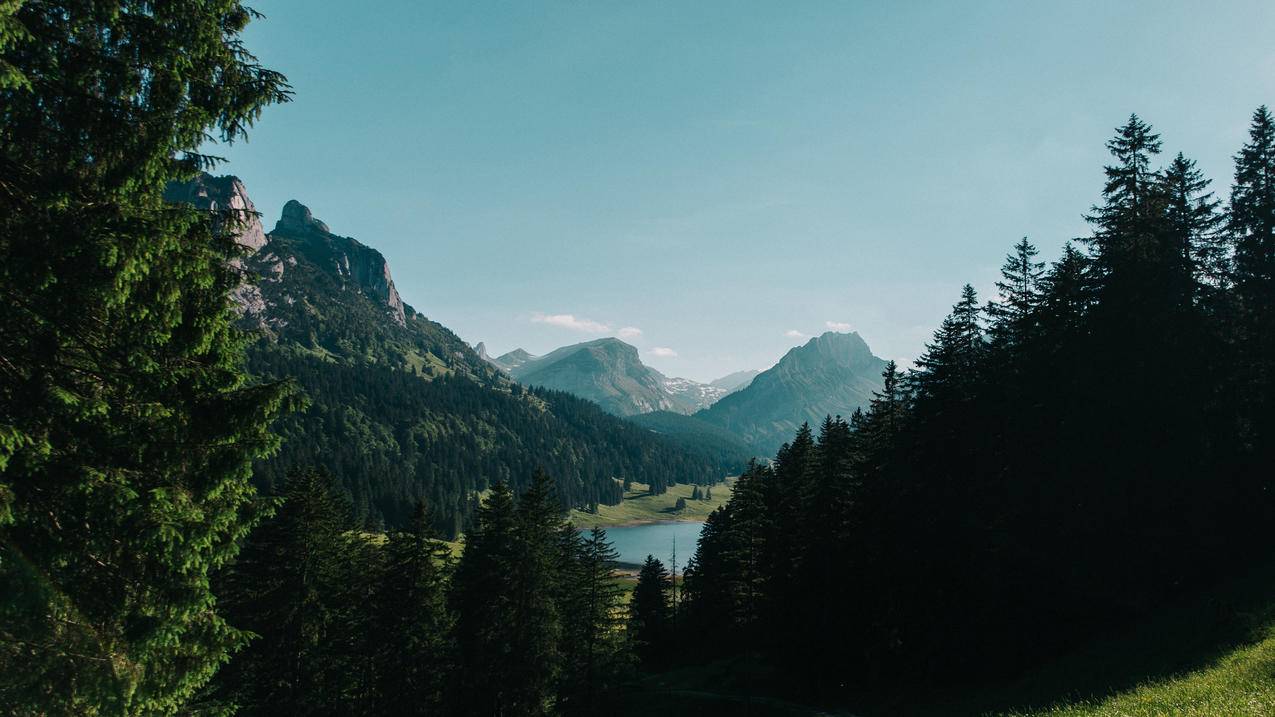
362 268
234 212
832 374
227 197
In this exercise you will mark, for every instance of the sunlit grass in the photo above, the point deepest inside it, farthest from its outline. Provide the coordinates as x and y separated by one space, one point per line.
639 507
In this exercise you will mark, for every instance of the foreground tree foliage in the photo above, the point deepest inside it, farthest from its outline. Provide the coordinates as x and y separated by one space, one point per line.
127 430
1061 460
529 621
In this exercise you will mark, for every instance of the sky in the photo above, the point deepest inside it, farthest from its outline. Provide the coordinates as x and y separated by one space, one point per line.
714 182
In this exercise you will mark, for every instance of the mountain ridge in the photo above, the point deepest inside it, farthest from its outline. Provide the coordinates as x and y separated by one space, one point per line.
401 410
831 374
609 372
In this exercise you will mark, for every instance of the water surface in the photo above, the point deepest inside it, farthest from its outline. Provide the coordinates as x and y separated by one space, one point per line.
635 542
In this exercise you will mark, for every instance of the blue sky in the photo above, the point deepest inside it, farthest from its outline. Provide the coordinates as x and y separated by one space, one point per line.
722 177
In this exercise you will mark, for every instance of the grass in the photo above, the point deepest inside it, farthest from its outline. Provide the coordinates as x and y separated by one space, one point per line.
1212 653
1240 684
638 507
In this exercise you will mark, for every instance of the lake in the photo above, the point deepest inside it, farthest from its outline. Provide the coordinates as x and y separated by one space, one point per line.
635 542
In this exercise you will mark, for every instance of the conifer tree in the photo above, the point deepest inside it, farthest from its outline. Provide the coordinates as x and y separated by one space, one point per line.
1194 230
593 623
651 613
297 585
482 597
1252 229
1020 294
413 622
127 426
1125 226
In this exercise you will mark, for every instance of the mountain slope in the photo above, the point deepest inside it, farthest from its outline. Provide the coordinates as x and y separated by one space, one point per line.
609 372
832 374
698 436
401 409
735 381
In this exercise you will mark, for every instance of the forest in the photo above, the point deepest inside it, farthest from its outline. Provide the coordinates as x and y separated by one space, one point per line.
1065 457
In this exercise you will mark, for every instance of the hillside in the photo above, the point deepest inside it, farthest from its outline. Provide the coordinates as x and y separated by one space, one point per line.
697 436
401 409
832 374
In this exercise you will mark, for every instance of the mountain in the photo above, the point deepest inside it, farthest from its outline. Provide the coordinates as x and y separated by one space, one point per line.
512 360
832 374
731 383
610 373
400 408
690 396
606 371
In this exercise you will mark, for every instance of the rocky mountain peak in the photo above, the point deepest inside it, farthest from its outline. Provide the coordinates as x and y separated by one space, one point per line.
297 218
354 263
228 199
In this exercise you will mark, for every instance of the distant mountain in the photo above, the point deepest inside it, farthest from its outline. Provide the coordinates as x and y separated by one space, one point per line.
832 374
401 409
610 373
606 371
690 396
512 360
735 381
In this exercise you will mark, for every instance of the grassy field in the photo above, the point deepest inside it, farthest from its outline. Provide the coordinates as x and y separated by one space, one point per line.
638 507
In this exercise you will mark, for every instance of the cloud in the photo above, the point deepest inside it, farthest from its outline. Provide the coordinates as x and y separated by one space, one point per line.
837 326
629 332
569 321
794 334
663 352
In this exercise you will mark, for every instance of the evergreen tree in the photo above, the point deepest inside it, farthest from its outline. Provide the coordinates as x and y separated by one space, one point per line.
298 584
593 623
1020 294
413 626
482 597
1252 217
1125 223
1194 230
651 613
127 428
509 594
1252 229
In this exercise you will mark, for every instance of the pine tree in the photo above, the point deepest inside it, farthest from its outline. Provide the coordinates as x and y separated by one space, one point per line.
482 597
1252 218
127 426
651 613
1020 295
296 585
508 596
1252 229
1125 224
412 631
537 601
950 364
1194 230
595 651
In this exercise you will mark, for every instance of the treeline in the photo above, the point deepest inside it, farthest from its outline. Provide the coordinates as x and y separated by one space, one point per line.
394 440
531 620
1061 459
